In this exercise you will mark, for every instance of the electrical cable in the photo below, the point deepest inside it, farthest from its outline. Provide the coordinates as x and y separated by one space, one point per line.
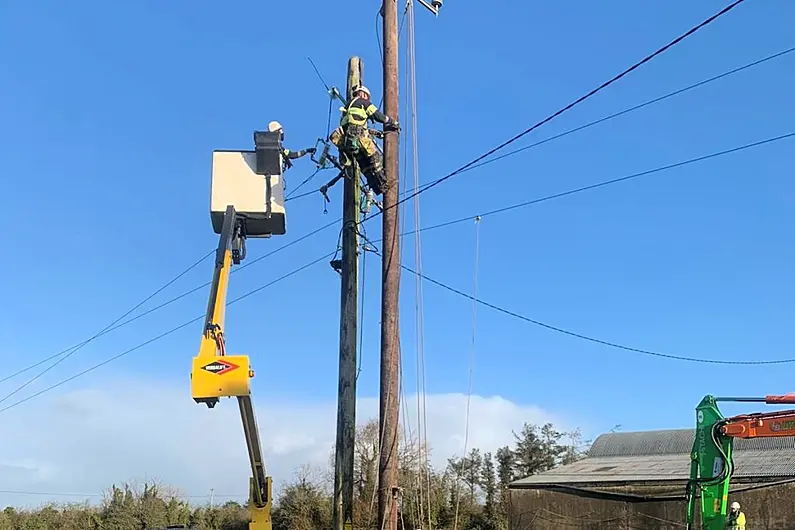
434 227
178 297
567 107
328 89
422 391
604 183
471 358
589 338
634 108
604 119
165 334
307 179
78 347
301 196
497 308
449 223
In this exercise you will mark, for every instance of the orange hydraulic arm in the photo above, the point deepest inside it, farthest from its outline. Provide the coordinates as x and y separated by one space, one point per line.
763 424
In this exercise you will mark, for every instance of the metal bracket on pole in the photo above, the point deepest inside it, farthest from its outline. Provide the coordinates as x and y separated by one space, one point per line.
433 6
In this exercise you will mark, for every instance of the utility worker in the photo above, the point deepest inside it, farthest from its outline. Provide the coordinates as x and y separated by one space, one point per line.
288 155
736 519
353 137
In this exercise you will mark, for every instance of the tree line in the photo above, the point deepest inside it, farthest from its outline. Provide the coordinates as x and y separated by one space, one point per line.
468 493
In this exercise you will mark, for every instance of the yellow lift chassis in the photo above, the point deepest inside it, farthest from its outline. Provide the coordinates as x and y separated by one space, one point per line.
216 374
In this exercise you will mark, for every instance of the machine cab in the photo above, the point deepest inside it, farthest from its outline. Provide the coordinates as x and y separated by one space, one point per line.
252 182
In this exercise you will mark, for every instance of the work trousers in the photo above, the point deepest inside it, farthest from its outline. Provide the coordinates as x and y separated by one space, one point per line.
357 144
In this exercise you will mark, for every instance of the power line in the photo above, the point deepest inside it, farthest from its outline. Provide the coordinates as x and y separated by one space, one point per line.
474 299
604 119
171 301
589 338
318 74
76 348
608 182
453 222
636 107
164 334
428 184
307 179
449 223
570 105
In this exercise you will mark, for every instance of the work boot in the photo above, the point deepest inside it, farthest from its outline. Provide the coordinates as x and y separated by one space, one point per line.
377 182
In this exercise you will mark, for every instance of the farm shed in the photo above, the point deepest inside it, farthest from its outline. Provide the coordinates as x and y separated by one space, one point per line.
636 481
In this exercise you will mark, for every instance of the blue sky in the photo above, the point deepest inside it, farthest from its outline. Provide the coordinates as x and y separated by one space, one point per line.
111 111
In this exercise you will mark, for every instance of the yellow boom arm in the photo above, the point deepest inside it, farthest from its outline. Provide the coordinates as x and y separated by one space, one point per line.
215 374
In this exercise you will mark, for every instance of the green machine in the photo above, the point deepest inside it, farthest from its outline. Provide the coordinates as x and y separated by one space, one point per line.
712 466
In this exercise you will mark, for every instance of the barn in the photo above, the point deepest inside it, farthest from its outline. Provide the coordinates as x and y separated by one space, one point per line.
636 481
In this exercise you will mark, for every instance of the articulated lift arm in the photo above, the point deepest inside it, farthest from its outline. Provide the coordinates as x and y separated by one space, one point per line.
712 467
216 374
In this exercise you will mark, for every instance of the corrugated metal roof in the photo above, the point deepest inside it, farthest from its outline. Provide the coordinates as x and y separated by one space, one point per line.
674 441
665 456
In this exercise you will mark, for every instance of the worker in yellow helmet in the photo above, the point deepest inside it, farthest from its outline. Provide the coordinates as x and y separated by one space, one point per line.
736 518
353 137
288 155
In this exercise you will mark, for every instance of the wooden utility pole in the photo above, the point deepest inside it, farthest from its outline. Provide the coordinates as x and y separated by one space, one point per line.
346 391
390 288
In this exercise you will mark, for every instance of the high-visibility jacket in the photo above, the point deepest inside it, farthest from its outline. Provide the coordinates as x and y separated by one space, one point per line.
358 111
736 521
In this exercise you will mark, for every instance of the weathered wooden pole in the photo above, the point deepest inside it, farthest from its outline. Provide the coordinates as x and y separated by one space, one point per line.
390 288
346 391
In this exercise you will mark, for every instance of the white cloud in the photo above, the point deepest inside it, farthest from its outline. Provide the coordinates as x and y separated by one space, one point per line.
85 440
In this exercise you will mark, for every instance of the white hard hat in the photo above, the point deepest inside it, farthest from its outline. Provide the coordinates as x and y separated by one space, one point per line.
735 505
361 88
274 126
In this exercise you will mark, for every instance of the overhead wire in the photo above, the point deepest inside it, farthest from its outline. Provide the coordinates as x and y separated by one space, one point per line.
164 334
421 371
494 212
569 106
433 227
410 94
469 166
471 357
609 117
605 183
590 338
328 89
74 349
307 179
176 298
487 304
635 107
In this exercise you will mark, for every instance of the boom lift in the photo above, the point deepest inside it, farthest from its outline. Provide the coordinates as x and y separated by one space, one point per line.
711 466
247 201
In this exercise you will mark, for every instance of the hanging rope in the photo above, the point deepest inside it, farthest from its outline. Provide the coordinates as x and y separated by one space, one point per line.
471 358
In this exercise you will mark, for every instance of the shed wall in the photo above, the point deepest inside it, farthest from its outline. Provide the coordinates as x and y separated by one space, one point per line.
766 508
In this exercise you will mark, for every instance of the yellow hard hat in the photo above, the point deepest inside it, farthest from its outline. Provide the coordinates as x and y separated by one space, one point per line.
274 126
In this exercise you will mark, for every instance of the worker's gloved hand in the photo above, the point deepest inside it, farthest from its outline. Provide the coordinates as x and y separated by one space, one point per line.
311 150
392 125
